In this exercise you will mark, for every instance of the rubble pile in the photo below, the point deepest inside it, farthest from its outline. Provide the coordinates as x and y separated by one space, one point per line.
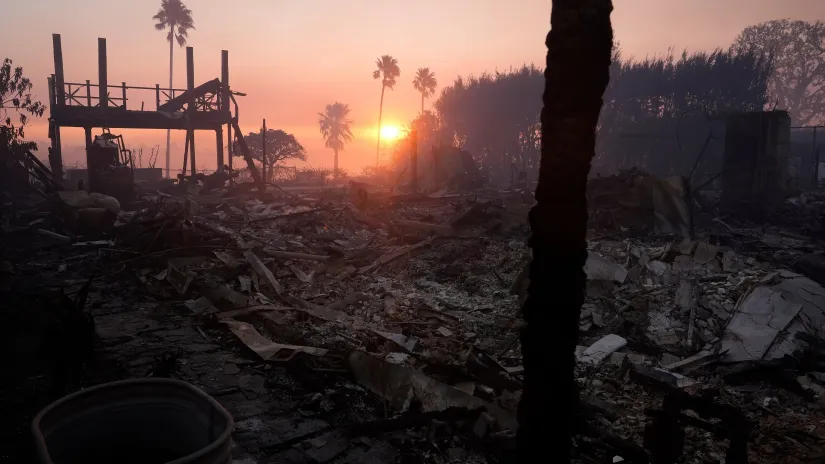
360 325
805 211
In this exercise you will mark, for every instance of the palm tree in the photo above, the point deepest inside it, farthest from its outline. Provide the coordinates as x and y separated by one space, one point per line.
177 18
334 124
578 71
425 83
387 70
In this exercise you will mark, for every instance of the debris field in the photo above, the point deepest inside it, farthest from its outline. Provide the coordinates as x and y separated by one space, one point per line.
353 324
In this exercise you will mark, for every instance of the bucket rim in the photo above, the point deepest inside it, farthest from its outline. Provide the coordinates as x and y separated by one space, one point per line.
221 440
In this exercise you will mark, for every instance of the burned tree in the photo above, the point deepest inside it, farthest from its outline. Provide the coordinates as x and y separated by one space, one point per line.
578 70
279 146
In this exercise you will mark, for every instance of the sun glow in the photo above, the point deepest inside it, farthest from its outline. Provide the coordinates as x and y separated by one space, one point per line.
390 132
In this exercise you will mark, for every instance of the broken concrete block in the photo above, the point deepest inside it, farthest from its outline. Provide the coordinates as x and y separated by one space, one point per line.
599 351
758 320
597 267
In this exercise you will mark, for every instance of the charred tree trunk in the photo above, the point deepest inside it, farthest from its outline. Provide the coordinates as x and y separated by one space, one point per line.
380 113
578 71
171 95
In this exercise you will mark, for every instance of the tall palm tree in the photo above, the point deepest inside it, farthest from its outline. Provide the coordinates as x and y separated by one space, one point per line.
425 83
334 124
578 71
177 18
387 70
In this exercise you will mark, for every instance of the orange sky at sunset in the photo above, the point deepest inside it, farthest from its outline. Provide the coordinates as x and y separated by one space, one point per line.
292 57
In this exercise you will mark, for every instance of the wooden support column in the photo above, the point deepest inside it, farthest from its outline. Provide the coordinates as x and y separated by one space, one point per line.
60 90
226 101
102 74
88 131
190 109
219 142
57 96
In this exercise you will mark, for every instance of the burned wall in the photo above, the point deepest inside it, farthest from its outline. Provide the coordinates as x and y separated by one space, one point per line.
754 178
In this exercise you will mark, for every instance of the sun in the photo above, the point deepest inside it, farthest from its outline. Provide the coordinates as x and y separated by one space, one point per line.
390 132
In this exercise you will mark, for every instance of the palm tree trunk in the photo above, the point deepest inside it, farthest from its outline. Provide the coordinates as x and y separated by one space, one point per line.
422 102
578 63
335 163
169 132
380 113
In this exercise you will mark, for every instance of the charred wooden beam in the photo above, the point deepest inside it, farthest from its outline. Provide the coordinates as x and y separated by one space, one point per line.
177 103
247 156
83 116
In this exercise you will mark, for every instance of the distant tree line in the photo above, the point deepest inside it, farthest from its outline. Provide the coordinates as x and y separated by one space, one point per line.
651 107
496 116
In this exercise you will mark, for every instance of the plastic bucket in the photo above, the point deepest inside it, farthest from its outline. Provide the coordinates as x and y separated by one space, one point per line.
137 421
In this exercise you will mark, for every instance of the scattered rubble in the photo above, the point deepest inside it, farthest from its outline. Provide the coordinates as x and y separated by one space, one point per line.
358 325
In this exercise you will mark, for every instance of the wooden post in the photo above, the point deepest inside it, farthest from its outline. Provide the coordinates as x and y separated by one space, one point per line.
414 160
55 156
186 151
88 93
102 74
263 151
60 91
88 131
219 143
157 96
225 107
123 86
190 85
229 149
226 102
52 94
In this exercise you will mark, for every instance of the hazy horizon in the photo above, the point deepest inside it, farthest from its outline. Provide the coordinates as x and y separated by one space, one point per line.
292 60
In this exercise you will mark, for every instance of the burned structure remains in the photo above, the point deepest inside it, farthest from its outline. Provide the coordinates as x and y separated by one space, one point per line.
370 321
209 106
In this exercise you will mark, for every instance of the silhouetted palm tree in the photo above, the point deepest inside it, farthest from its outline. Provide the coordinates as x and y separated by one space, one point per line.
334 124
174 16
578 70
387 70
425 83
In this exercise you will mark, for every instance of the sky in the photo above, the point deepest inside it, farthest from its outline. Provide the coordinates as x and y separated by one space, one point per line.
292 57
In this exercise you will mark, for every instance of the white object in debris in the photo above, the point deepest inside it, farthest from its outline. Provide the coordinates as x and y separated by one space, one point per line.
445 332
599 351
